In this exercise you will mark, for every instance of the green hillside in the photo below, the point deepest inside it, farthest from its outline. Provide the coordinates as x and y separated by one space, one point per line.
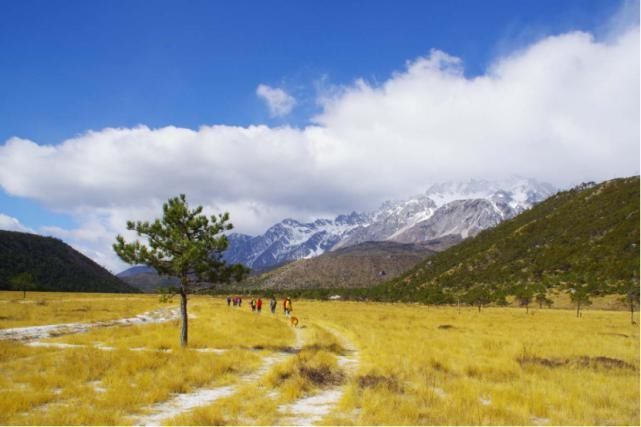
585 241
54 265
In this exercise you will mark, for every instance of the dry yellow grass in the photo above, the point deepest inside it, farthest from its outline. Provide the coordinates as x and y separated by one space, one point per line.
212 325
418 365
43 308
499 366
88 385
308 370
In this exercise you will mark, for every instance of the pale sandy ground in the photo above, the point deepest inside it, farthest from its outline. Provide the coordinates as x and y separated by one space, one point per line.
305 411
311 409
184 402
32 333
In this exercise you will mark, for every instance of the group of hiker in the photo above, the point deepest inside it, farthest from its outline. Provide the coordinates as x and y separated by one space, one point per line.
257 304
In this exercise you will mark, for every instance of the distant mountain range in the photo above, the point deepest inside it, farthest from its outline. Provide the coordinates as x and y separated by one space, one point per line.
447 212
54 265
458 209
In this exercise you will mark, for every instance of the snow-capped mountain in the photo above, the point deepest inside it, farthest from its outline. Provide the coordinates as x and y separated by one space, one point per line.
291 239
460 209
390 219
452 208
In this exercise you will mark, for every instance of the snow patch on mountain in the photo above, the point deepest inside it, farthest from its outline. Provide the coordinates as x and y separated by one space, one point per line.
291 239
445 209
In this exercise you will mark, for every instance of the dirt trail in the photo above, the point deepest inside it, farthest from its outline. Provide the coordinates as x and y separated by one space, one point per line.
109 348
312 409
47 331
184 402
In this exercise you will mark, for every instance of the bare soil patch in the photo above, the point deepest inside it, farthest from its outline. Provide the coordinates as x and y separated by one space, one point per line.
322 376
372 381
581 361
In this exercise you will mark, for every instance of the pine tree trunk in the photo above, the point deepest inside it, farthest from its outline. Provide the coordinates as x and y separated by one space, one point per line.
183 316
479 308
527 308
578 308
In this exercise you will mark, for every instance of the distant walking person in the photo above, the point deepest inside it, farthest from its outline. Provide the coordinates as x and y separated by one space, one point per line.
285 306
288 306
229 301
253 304
240 301
259 304
273 304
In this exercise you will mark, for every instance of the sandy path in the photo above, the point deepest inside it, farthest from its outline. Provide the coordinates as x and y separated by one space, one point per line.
47 331
184 402
312 409
109 348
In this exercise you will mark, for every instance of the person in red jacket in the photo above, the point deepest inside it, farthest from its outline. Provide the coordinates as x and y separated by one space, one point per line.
259 304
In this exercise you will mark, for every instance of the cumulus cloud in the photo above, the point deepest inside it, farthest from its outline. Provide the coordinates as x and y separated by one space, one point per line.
10 223
279 102
563 110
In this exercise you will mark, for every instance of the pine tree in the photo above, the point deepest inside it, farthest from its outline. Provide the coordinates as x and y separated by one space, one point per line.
478 295
22 282
581 290
185 244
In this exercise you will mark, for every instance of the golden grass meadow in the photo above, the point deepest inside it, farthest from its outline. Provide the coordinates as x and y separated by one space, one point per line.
366 363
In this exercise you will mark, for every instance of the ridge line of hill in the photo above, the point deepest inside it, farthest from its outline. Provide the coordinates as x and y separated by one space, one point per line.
53 265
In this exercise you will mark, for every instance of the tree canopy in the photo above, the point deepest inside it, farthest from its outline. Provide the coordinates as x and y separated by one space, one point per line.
186 244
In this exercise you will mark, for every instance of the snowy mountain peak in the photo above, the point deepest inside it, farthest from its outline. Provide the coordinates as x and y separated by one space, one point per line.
291 239
446 209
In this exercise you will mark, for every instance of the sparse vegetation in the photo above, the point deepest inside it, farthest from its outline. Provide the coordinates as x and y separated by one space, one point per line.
418 365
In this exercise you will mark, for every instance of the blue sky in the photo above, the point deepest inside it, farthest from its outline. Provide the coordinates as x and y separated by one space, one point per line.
68 67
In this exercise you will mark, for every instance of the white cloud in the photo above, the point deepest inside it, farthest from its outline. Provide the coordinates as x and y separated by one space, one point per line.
279 102
10 223
563 110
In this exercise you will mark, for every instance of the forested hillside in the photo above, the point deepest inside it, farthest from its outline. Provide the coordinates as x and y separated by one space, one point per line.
584 241
53 265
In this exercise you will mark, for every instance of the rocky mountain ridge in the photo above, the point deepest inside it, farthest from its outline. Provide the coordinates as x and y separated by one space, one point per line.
460 209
